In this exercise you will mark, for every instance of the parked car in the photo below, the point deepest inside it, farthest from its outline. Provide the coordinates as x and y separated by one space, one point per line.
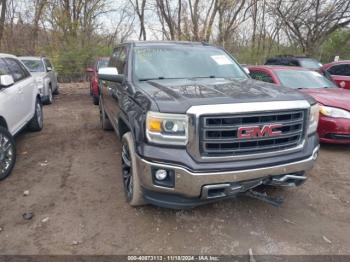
20 106
45 76
339 72
302 61
94 82
195 128
334 124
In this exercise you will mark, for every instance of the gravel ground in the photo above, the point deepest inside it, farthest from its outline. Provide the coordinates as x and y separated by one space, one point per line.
71 170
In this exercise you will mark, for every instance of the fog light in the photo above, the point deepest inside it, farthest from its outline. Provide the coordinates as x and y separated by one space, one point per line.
161 174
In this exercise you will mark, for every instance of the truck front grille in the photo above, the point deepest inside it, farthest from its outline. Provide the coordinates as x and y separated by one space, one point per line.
219 134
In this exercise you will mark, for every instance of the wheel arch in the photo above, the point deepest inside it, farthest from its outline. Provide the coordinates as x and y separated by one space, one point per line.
3 122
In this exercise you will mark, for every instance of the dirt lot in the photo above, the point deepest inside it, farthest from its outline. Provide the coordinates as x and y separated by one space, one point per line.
71 170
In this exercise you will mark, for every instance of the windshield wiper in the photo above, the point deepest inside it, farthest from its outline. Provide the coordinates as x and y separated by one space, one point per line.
153 78
212 76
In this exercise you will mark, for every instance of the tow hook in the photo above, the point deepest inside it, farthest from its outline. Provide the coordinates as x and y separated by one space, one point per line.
274 201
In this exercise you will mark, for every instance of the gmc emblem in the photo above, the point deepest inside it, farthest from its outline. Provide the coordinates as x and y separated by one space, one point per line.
255 131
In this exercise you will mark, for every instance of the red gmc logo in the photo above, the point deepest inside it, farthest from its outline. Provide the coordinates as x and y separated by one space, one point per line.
256 131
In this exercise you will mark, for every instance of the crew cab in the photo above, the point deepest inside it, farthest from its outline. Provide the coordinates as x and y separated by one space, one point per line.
195 128
20 106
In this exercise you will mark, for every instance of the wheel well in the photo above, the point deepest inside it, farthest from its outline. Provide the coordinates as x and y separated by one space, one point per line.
39 98
123 128
3 122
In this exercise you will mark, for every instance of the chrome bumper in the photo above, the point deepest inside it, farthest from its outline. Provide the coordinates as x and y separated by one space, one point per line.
190 184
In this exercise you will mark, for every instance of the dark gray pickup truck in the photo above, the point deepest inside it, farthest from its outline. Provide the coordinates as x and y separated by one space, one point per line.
195 128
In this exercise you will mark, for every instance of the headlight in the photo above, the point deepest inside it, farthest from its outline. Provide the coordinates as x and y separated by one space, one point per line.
334 112
166 129
313 118
39 80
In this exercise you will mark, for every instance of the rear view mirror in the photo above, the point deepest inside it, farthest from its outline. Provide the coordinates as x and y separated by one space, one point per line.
49 69
246 70
110 74
6 81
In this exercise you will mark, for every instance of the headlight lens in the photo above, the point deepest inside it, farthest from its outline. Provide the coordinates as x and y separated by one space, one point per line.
334 112
313 118
39 80
167 129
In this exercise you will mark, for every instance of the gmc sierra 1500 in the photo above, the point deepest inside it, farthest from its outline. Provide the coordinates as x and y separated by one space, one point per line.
195 128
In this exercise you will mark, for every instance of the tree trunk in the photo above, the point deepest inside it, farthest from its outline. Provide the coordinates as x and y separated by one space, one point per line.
2 19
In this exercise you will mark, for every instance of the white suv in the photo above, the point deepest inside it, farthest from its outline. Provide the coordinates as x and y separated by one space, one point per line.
20 106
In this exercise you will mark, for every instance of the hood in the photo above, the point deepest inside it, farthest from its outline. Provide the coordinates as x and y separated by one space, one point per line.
178 95
336 97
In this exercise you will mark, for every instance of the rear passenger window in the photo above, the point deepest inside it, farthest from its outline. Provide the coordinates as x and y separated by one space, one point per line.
17 70
340 70
261 76
4 70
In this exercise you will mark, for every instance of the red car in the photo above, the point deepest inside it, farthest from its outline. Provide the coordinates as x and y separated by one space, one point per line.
94 89
340 73
334 124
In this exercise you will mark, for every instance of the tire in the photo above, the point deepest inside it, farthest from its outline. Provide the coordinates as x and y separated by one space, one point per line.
37 122
131 181
49 99
56 92
104 121
95 100
7 153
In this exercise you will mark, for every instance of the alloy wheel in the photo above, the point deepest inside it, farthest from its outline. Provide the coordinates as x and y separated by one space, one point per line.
39 114
6 154
50 95
127 171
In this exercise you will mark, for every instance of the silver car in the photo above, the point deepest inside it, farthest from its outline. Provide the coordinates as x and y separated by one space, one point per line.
44 74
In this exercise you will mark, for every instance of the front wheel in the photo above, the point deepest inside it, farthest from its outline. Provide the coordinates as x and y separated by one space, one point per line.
37 122
7 153
131 180
49 100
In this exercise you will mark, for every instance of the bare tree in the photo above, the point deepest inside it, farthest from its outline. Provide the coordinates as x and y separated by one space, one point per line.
2 19
232 13
39 6
139 8
310 22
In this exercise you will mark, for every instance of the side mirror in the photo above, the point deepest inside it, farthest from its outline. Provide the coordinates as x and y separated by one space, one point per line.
49 69
89 70
110 74
6 81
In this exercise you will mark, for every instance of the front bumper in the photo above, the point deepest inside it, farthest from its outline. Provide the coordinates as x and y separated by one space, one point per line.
334 130
191 185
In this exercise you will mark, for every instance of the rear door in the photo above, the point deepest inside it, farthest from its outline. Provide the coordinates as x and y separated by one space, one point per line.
25 88
341 75
112 91
52 74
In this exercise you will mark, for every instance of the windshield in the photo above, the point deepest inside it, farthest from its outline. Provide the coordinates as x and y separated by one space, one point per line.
310 63
184 62
303 79
102 63
34 65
